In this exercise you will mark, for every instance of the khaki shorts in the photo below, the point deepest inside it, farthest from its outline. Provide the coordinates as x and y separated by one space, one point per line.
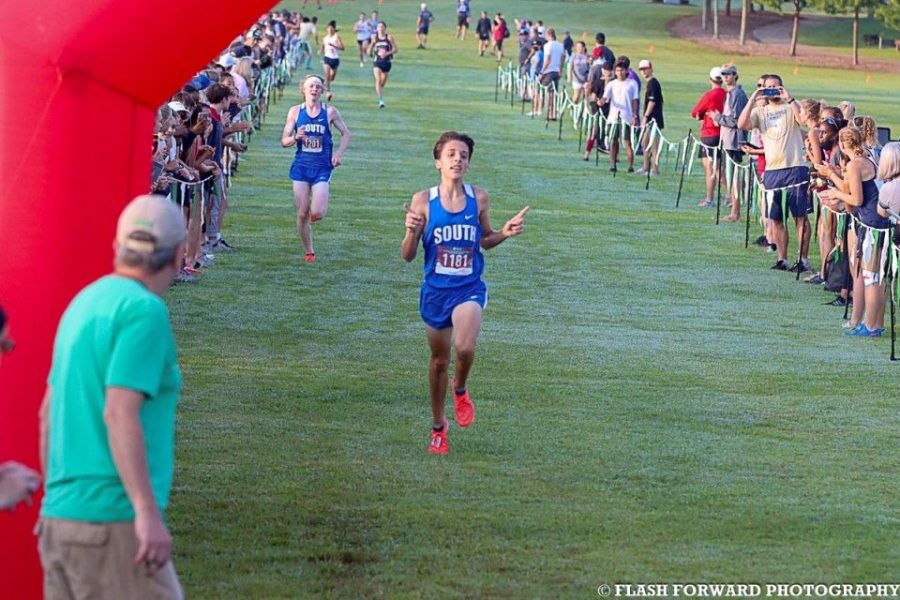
96 560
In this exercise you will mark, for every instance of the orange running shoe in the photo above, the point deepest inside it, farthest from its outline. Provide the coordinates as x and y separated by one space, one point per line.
439 443
463 407
310 257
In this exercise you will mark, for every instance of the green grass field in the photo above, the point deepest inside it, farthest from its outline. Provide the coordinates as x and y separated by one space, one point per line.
839 33
654 404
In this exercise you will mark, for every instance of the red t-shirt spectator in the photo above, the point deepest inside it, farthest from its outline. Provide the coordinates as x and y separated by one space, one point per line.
713 100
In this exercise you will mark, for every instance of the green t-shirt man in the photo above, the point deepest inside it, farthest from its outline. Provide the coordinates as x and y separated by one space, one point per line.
115 333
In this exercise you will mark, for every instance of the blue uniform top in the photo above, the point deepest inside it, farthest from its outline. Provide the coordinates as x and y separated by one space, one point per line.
868 211
452 243
315 151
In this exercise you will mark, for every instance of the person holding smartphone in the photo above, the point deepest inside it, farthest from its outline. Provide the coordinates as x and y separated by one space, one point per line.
786 177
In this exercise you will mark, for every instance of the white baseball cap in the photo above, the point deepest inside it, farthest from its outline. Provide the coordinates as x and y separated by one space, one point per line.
644 64
715 73
151 223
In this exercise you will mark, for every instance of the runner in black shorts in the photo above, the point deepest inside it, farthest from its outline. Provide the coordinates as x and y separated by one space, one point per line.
383 48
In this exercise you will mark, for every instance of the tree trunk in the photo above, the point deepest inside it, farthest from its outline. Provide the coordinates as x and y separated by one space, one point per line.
856 35
794 30
744 8
727 8
704 16
715 16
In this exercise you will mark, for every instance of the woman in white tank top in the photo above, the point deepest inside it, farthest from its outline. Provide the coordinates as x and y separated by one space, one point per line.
331 48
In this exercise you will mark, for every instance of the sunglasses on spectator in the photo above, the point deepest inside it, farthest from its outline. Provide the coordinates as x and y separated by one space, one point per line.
831 121
7 346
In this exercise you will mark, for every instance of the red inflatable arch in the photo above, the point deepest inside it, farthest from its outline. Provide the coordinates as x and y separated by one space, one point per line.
80 81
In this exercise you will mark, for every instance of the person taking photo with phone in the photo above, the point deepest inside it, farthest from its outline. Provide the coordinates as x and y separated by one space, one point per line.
786 177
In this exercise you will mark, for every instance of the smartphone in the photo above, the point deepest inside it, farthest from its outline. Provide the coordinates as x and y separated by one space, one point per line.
771 92
749 145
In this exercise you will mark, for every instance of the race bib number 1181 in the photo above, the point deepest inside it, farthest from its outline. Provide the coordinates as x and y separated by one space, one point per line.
454 261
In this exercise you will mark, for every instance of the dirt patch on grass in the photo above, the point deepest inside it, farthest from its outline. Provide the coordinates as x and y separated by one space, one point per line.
769 34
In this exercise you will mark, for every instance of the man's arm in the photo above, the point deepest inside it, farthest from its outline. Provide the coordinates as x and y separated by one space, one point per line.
489 237
744 121
44 428
635 105
288 136
126 444
416 218
338 121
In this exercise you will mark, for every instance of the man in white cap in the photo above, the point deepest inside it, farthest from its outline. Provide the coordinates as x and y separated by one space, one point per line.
733 138
107 422
710 103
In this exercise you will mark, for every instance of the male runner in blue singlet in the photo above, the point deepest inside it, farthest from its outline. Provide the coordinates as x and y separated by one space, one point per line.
452 220
308 125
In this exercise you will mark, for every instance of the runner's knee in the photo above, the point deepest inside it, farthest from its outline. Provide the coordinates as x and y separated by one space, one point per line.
440 363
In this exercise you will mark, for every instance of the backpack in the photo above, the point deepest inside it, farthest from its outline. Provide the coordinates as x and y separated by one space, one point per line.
505 30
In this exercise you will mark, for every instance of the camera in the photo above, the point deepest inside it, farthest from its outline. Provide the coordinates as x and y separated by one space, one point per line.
771 93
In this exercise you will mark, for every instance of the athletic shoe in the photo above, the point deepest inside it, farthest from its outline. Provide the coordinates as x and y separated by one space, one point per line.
222 246
381 104
838 301
727 201
761 241
192 271
706 203
640 171
631 169
780 265
310 257
206 260
849 325
183 277
772 248
362 64
862 331
463 407
801 266
439 443
815 279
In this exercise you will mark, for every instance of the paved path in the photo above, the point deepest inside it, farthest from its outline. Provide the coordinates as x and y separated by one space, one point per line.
780 32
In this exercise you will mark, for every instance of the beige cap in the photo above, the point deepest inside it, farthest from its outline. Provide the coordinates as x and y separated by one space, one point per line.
150 223
644 64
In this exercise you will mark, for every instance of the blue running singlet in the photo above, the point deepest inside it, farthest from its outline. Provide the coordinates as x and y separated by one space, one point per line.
452 243
315 151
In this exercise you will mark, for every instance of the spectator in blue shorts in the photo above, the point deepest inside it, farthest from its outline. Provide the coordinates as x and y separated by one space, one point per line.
786 177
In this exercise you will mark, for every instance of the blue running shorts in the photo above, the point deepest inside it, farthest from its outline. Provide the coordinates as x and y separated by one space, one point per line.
310 175
436 304
793 182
